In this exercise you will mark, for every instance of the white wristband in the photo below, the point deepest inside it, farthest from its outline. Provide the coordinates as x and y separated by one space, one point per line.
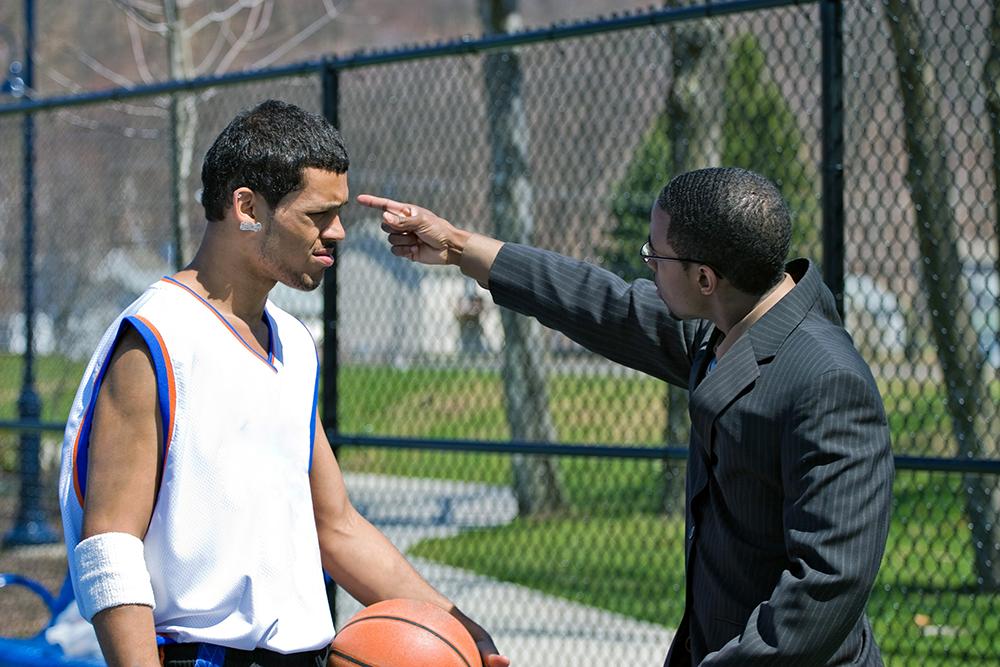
110 571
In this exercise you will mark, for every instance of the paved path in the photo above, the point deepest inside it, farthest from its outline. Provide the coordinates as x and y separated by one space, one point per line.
534 629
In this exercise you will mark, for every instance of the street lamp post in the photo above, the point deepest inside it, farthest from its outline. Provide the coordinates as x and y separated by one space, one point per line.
30 526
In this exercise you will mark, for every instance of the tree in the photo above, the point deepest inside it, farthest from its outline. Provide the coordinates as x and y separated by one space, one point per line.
962 362
761 133
684 136
174 21
536 480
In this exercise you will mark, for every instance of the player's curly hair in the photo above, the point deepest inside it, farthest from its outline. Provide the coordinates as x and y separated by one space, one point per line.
733 220
266 149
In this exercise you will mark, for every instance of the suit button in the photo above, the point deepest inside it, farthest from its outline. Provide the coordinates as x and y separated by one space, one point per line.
690 532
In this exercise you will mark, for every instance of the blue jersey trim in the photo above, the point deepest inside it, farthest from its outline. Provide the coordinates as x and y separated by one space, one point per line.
160 367
271 342
162 394
312 418
210 655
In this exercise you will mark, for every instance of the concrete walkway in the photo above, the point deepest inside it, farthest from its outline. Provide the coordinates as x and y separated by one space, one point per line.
534 629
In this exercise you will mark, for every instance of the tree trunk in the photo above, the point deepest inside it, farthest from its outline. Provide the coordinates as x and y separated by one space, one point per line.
183 128
694 99
536 480
944 284
991 84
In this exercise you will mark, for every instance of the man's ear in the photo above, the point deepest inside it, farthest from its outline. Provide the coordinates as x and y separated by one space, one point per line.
243 208
708 282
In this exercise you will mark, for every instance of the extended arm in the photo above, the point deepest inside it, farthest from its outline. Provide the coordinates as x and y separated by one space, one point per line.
625 322
121 486
837 475
362 560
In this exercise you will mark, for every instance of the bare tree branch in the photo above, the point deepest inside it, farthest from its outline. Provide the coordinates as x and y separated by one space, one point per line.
138 50
221 17
241 42
264 23
61 79
147 21
213 53
107 73
304 34
76 120
153 8
156 110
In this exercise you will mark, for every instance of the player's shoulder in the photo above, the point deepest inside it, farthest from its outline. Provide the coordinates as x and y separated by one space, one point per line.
165 296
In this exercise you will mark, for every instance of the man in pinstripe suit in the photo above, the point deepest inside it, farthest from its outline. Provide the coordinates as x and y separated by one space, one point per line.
789 479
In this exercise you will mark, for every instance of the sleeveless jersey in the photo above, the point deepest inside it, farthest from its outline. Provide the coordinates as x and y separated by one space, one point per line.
231 548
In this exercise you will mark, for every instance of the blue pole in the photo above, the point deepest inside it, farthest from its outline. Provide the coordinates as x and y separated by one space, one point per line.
30 526
832 35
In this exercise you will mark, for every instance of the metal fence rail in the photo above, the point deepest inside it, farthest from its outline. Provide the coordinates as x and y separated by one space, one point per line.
817 95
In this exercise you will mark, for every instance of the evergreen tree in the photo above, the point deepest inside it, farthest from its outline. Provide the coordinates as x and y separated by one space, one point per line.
759 133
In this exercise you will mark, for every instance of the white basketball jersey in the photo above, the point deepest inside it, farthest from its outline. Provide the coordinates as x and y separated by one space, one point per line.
232 548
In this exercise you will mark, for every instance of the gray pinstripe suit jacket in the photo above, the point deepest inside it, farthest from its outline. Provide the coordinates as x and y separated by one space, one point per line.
789 480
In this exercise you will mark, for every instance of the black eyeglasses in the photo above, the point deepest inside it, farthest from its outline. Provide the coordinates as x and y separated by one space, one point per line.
646 253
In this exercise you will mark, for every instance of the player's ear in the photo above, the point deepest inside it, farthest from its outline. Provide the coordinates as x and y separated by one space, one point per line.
243 208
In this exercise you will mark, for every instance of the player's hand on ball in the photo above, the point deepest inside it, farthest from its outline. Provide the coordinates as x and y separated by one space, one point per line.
487 649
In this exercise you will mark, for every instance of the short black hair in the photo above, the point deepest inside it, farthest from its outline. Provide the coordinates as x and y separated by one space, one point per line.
266 149
733 220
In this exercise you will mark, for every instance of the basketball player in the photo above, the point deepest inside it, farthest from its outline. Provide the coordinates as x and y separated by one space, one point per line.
201 500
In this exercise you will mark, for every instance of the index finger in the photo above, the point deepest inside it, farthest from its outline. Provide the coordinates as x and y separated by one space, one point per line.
386 204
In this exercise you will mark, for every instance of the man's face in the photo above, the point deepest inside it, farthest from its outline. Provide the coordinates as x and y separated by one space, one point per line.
674 282
300 234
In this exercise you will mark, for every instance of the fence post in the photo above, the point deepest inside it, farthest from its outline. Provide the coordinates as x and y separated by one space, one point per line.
175 188
330 417
831 19
30 526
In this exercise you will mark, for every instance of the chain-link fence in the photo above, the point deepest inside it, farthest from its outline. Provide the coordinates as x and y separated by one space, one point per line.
571 551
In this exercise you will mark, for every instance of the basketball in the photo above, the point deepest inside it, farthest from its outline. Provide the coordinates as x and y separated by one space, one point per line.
403 633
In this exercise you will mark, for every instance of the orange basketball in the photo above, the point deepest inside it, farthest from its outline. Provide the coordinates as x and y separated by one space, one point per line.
403 633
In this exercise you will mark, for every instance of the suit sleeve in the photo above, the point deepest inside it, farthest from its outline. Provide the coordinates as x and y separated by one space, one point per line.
625 322
837 475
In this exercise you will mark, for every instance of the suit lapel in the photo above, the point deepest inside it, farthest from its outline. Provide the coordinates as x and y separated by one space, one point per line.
732 375
740 367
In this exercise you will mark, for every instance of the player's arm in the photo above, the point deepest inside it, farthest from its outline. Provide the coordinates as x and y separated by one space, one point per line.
121 488
361 559
837 472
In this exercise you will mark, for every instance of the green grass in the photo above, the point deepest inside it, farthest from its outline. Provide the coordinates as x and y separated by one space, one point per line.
633 565
626 558
56 380
928 570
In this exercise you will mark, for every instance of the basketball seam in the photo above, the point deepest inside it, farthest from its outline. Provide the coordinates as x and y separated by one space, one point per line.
414 623
341 654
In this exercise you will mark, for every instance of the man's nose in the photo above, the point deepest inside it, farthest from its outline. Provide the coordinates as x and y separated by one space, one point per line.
333 231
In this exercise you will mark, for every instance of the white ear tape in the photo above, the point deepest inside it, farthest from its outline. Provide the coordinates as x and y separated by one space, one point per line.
110 571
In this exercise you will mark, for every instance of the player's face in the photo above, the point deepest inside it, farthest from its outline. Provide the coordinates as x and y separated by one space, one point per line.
299 237
673 281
